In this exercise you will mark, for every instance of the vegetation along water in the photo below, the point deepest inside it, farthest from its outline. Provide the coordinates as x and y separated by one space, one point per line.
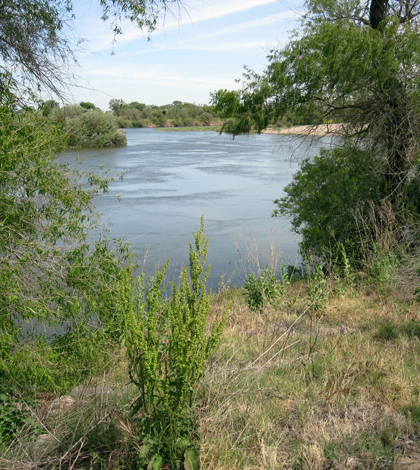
313 366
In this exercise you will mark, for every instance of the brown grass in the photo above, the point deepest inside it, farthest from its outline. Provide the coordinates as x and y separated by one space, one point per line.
334 392
288 388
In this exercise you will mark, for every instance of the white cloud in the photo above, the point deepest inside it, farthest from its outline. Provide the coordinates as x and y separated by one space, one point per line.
257 23
194 42
221 46
195 12
203 11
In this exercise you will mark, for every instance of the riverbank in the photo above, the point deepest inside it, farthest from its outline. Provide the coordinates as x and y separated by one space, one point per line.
288 387
320 130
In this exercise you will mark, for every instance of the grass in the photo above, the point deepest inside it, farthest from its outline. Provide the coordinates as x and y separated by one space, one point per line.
290 387
341 391
190 129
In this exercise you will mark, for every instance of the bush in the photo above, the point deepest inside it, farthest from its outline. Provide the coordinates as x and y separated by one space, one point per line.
51 273
328 202
262 290
168 346
93 129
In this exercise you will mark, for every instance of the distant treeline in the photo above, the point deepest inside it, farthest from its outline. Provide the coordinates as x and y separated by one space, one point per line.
87 126
177 114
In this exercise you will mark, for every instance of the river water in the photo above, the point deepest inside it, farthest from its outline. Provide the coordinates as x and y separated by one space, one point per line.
173 178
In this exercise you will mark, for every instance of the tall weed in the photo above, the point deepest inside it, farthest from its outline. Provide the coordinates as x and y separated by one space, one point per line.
168 344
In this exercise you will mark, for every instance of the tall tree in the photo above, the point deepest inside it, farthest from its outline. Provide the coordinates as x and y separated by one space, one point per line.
360 62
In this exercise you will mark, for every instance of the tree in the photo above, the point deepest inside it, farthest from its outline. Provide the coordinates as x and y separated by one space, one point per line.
94 129
359 63
34 46
87 127
51 271
87 105
116 105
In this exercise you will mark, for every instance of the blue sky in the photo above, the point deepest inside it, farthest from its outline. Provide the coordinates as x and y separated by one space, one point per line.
195 51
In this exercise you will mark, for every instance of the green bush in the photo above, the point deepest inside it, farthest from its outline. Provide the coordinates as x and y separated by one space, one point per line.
328 202
12 416
52 275
94 128
264 289
168 344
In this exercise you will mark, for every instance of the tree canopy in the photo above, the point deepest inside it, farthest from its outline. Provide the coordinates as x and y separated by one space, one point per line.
34 35
359 63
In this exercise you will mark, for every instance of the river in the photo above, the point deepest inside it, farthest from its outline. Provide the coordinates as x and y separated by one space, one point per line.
173 178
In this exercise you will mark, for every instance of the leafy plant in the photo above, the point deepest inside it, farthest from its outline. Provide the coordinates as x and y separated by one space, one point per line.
326 202
12 418
52 274
318 291
168 344
88 128
344 277
264 289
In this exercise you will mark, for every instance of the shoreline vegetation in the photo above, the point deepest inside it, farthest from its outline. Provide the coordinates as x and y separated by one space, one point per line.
321 374
313 367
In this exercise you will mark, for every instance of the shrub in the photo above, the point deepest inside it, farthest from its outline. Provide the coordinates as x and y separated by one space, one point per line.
51 273
263 290
327 202
168 345
94 128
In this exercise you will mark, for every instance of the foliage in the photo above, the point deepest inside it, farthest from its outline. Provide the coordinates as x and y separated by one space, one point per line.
264 289
11 417
344 276
51 274
358 63
94 129
328 202
177 114
87 127
318 290
168 345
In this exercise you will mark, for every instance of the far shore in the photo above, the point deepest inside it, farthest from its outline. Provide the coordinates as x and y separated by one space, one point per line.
320 130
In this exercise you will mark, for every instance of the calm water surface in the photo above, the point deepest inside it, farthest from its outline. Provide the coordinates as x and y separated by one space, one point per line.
173 178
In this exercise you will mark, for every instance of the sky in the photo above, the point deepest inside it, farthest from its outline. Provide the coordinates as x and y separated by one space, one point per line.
197 49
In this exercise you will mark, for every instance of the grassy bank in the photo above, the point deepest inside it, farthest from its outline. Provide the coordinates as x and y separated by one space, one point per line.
332 388
327 376
190 129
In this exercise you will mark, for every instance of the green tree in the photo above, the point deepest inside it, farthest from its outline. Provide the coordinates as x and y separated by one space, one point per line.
50 271
94 129
116 105
88 127
331 199
359 63
87 105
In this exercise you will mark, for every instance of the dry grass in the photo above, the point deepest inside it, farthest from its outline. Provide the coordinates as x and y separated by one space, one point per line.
340 389
288 388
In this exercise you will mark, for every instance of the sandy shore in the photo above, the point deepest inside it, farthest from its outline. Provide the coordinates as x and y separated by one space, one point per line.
322 129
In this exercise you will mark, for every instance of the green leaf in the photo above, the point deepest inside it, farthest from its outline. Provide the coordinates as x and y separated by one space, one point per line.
156 463
191 459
